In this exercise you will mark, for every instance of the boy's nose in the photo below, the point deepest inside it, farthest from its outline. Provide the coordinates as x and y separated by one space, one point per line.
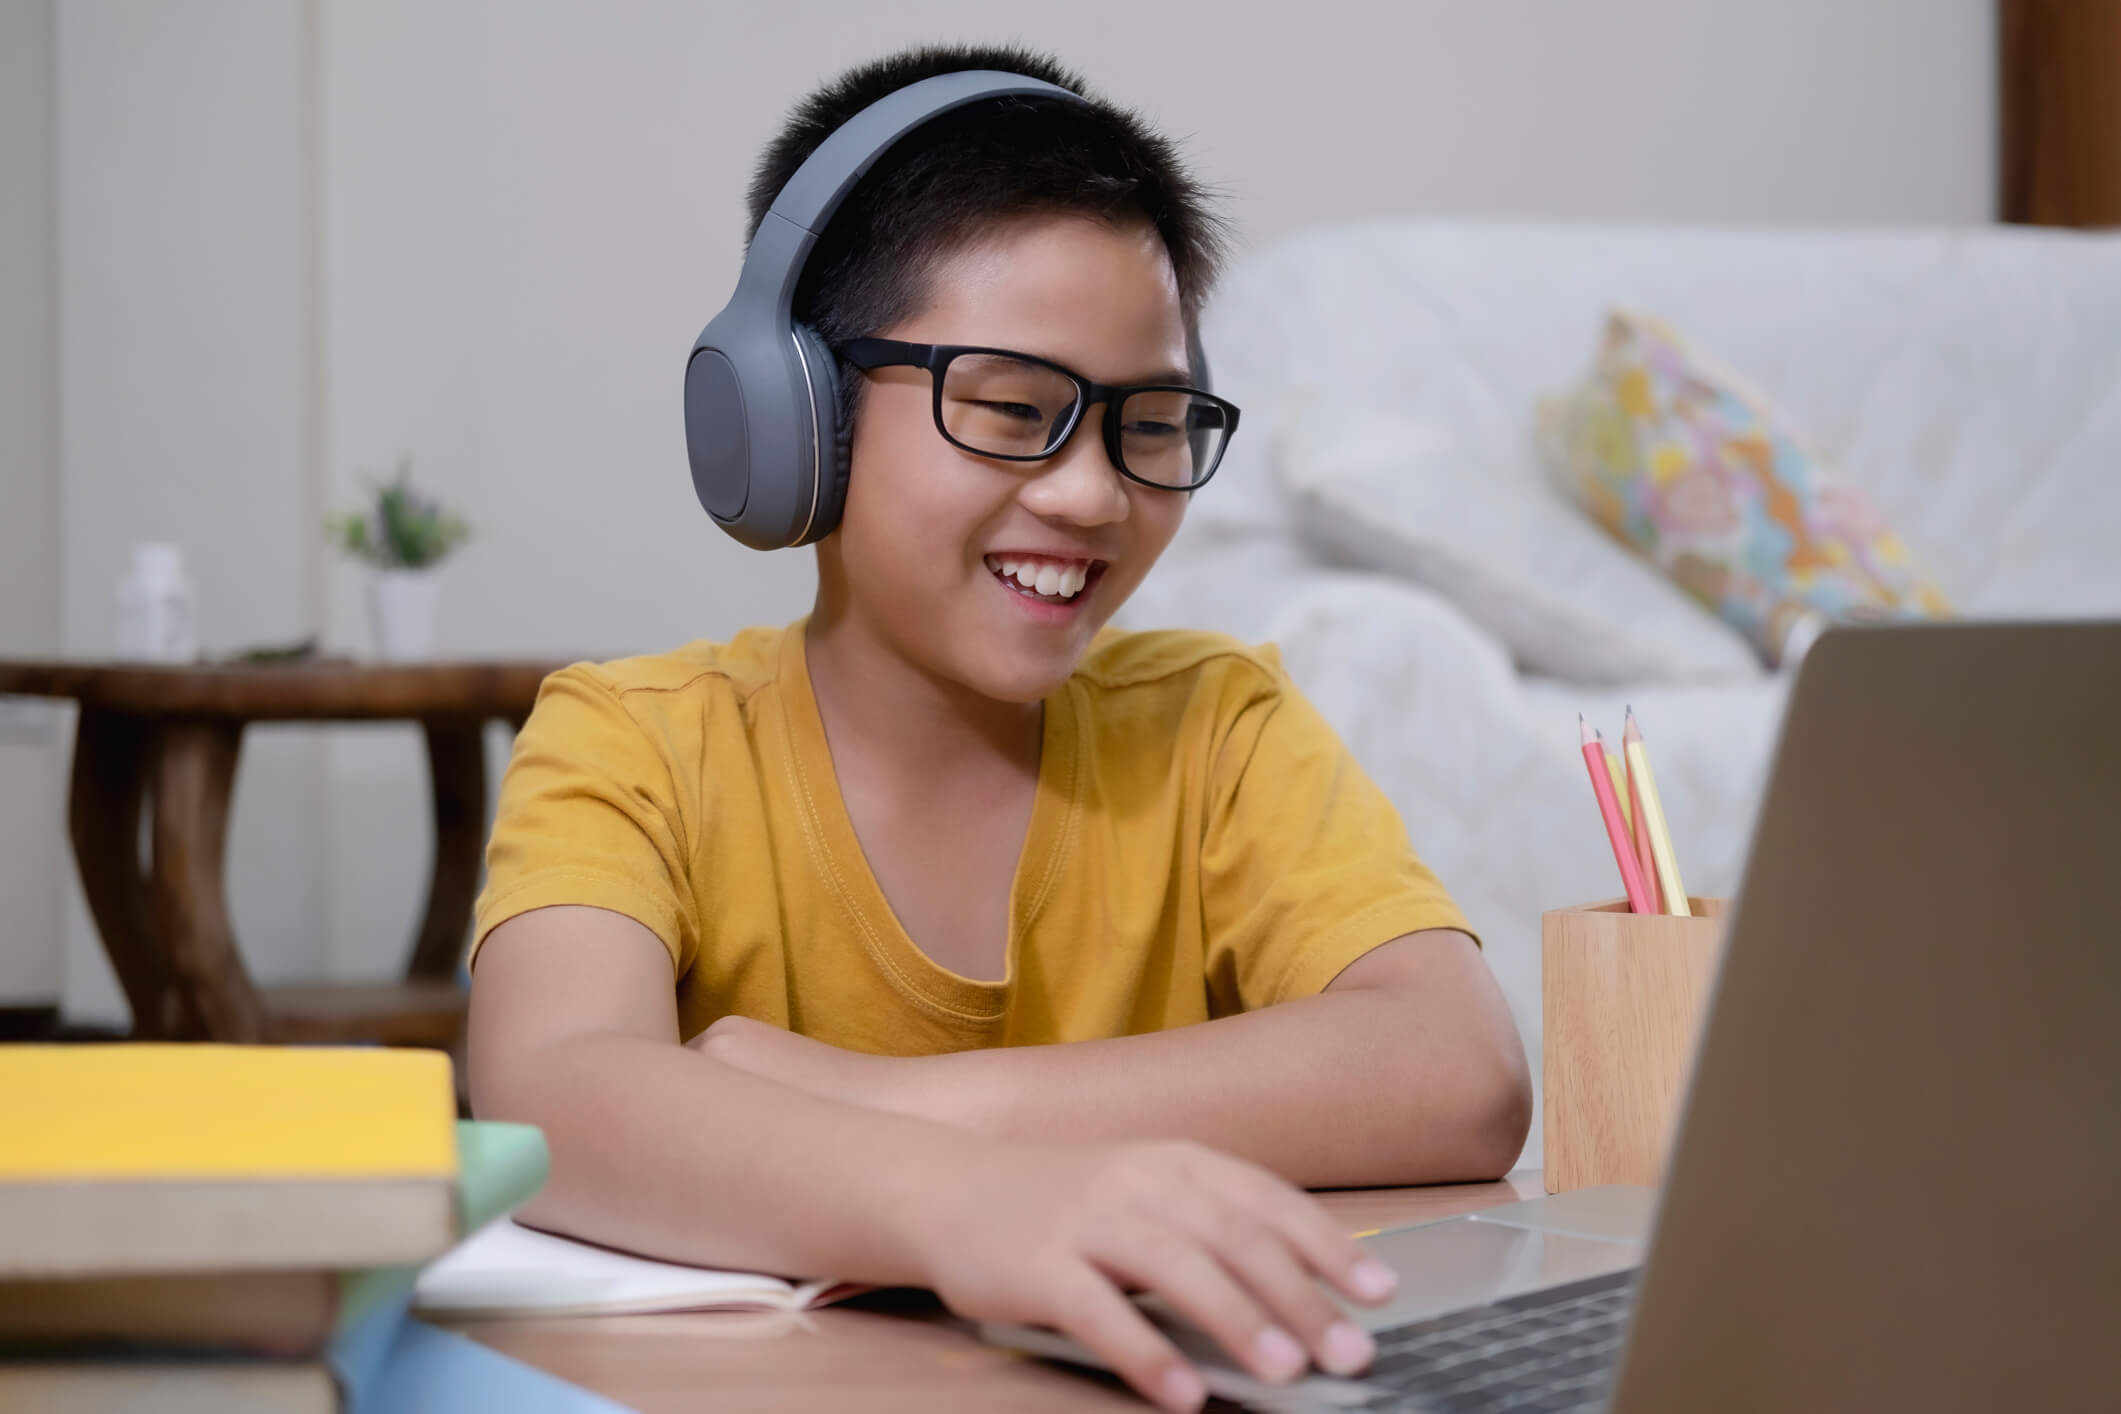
1078 483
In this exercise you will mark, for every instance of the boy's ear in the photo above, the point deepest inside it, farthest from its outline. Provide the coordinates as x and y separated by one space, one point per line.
846 401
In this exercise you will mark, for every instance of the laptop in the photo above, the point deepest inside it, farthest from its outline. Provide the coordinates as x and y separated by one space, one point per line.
1896 1182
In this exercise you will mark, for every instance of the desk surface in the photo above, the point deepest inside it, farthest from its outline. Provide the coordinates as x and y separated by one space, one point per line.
913 1359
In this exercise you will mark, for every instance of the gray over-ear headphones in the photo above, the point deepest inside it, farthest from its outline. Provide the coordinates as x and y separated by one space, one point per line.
762 413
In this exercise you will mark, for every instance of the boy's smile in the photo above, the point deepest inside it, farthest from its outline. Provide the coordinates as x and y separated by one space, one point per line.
991 574
1053 581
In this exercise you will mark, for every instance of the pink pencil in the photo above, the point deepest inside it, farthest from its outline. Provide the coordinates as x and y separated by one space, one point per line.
1616 830
1642 822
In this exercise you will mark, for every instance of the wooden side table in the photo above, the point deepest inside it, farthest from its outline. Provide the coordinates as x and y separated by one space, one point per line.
163 740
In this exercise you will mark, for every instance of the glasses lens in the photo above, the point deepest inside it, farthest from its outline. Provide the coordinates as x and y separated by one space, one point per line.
1004 406
1171 437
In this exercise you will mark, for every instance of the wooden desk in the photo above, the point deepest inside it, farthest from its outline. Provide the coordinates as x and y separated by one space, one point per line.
162 740
897 1357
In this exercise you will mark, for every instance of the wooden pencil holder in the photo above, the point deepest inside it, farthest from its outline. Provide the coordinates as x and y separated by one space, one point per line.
1622 996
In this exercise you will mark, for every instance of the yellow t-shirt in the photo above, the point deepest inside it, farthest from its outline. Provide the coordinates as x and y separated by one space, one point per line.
1200 844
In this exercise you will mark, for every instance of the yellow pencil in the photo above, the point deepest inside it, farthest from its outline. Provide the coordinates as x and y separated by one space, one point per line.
1653 815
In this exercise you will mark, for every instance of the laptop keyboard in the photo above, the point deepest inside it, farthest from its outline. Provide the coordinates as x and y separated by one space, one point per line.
1551 1350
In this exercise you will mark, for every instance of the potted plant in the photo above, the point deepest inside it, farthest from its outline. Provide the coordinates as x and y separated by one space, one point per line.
403 537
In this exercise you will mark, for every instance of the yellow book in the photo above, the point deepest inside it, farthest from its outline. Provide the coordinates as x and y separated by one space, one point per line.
146 1157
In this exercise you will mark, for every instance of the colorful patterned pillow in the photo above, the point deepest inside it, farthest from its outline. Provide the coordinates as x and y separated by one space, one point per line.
1684 464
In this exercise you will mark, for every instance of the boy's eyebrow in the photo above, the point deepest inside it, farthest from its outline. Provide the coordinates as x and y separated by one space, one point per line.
1170 375
1156 376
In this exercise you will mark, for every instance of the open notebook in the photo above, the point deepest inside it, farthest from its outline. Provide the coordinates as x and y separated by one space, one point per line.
506 1269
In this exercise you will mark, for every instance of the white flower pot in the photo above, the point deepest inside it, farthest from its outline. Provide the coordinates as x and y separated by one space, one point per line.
401 610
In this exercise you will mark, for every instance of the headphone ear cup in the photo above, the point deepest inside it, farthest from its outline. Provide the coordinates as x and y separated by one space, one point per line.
835 434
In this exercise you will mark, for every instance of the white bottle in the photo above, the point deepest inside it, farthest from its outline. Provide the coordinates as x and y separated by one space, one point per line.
157 619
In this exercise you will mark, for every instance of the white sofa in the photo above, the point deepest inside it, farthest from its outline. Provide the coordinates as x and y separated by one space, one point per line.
1969 380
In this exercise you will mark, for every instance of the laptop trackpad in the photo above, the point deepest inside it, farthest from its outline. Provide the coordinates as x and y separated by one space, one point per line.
1445 1266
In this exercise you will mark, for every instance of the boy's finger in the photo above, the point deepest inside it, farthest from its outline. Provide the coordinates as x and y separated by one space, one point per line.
1089 1309
1197 1284
1322 1243
1262 1259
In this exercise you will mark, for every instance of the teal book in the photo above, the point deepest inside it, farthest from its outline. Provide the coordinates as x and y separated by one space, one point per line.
499 1168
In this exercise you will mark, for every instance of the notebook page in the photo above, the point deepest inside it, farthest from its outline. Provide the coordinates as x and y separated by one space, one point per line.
507 1269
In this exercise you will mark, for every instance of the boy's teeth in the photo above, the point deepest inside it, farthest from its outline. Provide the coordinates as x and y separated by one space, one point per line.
1055 581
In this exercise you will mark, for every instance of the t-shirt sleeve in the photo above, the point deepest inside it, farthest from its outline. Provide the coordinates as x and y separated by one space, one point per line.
1305 865
588 815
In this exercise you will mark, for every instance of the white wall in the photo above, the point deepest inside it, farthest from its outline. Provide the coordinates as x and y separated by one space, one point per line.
487 234
32 851
187 396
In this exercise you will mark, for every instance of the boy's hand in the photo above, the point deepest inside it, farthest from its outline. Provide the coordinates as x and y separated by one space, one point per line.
1054 1235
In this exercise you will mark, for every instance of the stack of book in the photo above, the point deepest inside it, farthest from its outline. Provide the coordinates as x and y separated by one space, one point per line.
199 1227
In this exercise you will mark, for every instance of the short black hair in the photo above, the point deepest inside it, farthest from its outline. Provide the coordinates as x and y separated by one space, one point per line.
952 178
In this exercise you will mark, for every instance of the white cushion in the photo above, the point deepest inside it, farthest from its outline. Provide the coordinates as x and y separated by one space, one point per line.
1397 492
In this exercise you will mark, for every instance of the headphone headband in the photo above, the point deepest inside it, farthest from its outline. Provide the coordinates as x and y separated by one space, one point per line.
830 172
762 426
773 262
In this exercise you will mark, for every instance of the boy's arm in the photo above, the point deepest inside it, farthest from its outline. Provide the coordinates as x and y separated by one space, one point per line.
661 1150
1406 1069
574 1027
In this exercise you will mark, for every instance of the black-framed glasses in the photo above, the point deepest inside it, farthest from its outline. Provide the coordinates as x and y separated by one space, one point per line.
1021 408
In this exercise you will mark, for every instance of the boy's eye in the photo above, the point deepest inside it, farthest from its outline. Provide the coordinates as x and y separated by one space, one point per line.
1150 428
1009 427
996 403
1020 411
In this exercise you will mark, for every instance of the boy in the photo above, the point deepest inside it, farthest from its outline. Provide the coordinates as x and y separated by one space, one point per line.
938 939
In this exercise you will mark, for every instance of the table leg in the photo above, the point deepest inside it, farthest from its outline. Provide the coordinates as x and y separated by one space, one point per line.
194 773
113 754
456 758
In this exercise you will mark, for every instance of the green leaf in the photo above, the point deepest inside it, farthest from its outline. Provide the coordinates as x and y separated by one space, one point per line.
403 527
